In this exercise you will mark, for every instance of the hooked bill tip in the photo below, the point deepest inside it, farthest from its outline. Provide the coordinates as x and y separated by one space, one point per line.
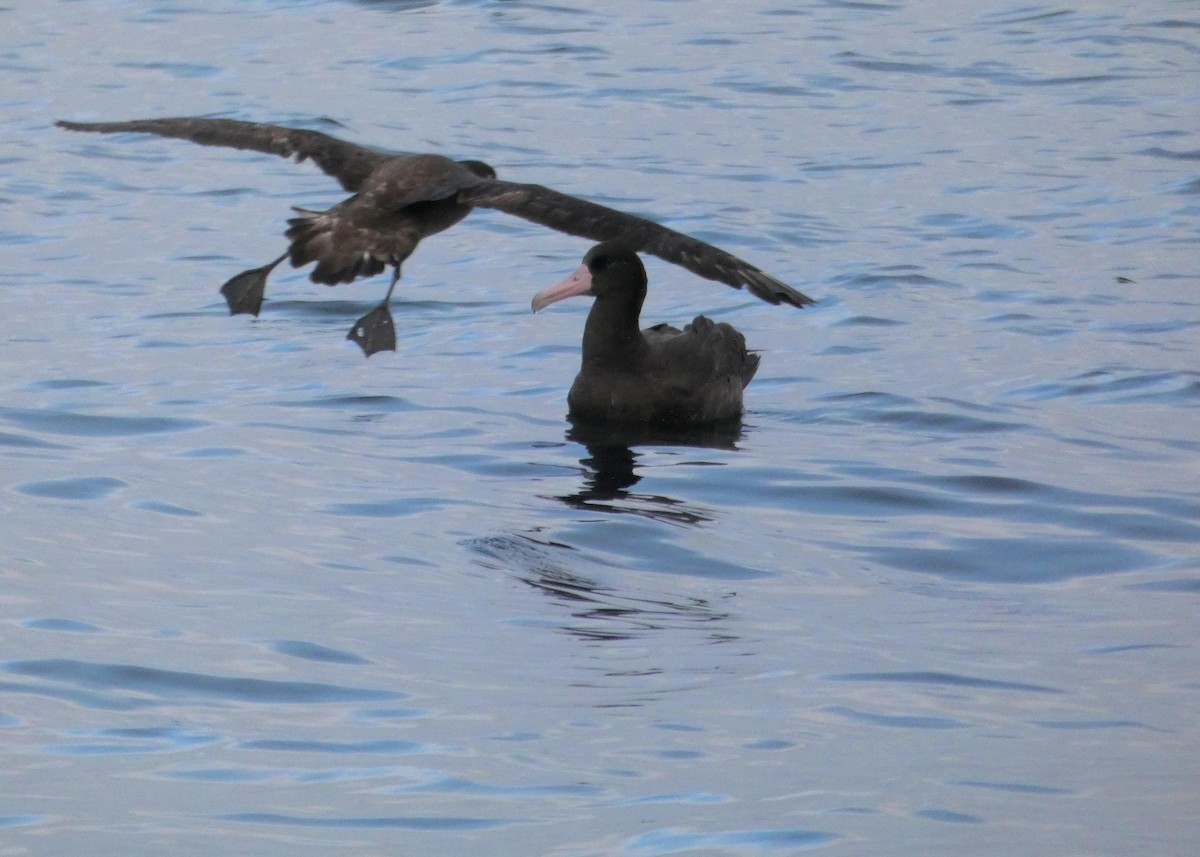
578 283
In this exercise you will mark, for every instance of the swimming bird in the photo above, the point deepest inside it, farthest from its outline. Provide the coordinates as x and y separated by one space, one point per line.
660 375
400 198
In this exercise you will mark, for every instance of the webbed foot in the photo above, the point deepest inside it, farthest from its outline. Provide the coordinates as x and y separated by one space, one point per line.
375 331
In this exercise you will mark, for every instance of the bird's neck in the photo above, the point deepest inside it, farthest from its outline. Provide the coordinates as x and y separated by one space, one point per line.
612 335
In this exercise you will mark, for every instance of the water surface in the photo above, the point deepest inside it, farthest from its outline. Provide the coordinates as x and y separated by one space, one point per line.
937 595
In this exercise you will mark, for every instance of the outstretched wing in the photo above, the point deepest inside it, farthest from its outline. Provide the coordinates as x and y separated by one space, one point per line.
589 220
349 163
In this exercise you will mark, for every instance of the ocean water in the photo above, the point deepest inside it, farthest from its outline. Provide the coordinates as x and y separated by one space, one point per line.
936 595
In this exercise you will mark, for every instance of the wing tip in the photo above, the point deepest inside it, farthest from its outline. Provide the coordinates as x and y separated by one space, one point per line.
103 127
775 292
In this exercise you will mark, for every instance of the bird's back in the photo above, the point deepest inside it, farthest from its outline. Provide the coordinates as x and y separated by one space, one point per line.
690 376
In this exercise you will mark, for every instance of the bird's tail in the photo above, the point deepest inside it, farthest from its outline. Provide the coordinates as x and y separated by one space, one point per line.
749 368
728 346
324 237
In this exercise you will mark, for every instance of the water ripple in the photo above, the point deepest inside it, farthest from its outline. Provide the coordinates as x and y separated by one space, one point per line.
388 747
459 823
1022 788
949 816
459 785
123 741
674 841
94 425
1120 386
599 611
74 488
161 685
897 721
1028 559
944 679
20 441
316 652
70 626
398 507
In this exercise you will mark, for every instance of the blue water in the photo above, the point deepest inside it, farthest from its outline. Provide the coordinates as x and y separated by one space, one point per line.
937 596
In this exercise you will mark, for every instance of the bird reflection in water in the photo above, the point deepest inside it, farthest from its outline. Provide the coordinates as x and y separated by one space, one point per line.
598 611
610 467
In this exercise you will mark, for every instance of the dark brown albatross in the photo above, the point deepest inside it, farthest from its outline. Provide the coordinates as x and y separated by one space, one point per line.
400 198
660 375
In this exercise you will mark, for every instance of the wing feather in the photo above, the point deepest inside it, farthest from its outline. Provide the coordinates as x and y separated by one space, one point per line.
590 220
349 163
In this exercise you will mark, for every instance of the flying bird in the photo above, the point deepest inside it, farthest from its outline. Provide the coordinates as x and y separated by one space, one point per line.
400 198
661 375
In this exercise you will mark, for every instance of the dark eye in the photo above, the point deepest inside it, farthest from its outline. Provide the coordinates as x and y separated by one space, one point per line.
600 262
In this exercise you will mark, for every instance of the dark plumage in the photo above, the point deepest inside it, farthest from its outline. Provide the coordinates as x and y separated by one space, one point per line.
400 198
660 375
